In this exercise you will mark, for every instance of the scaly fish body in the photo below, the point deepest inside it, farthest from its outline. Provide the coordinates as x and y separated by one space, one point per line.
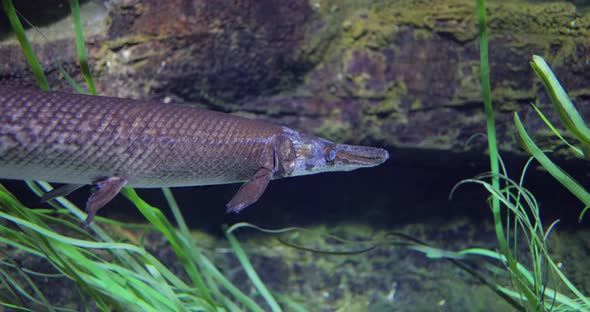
78 139
67 138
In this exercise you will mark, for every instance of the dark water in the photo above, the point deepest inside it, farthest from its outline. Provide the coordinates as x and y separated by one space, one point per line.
411 187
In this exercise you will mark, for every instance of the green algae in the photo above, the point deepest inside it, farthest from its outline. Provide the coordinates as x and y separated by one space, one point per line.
374 29
388 278
391 106
335 130
372 25
388 108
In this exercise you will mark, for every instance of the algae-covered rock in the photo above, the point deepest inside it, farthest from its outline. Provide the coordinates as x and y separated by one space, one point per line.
427 53
399 73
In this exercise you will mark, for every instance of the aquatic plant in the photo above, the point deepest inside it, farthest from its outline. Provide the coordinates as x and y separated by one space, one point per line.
125 277
516 213
114 275
522 215
570 119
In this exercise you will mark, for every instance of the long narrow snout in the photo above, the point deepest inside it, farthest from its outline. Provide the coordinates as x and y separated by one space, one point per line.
354 156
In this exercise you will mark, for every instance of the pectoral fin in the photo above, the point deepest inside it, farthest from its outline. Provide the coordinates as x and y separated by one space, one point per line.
251 191
107 189
61 191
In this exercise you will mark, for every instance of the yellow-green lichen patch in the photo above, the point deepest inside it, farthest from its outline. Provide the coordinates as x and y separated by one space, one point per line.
335 130
116 55
374 129
367 28
416 105
512 98
387 108
469 84
391 106
558 18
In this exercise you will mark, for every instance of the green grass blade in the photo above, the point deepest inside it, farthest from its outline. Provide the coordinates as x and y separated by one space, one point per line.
494 155
561 176
493 145
247 265
292 305
71 80
68 240
576 150
231 288
21 36
189 242
37 297
187 253
573 304
156 217
490 120
583 213
568 114
129 260
80 46
15 307
97 277
164 289
62 71
176 211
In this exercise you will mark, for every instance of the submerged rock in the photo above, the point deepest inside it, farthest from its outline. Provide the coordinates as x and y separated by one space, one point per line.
399 73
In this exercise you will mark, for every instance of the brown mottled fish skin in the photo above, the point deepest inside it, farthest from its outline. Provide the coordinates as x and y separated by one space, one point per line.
112 142
68 138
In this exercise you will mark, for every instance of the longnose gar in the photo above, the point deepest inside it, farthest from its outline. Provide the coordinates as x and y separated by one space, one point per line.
112 142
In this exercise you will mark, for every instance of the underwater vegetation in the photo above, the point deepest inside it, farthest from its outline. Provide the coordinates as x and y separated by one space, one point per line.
531 286
113 272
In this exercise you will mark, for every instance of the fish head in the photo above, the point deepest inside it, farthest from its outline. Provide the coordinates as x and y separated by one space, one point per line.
300 154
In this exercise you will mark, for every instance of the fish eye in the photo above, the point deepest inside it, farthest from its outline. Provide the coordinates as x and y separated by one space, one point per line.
331 156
